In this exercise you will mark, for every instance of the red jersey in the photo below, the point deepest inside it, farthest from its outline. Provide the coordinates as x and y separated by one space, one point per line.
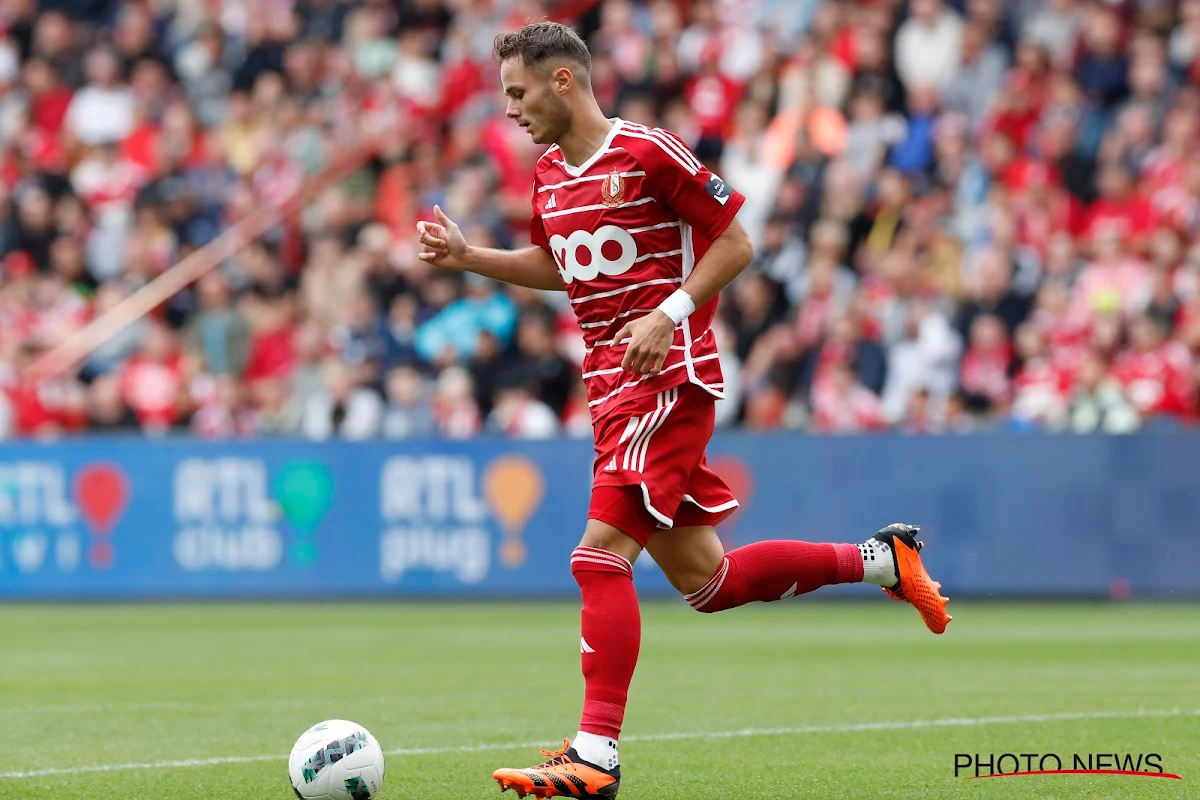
1040 390
985 372
151 388
1158 381
1123 218
626 228
853 410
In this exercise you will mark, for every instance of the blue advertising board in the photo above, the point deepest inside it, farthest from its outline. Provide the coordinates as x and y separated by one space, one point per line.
1003 515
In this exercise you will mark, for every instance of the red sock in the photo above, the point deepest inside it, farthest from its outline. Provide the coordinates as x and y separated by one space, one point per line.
769 571
611 624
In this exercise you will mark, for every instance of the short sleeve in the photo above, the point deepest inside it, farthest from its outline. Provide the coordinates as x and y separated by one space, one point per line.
678 179
537 231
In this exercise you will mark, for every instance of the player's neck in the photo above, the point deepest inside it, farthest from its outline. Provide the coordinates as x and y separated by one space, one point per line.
586 136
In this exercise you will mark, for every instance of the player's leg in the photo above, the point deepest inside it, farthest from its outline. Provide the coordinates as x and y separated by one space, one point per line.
619 525
692 557
688 556
610 638
695 563
610 623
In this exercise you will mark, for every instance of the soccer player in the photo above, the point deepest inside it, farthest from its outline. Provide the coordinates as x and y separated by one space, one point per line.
643 237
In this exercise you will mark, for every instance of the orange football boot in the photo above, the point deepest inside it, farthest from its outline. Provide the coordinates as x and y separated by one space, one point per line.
915 587
564 774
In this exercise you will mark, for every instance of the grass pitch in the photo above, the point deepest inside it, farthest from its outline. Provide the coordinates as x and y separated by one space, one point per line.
795 700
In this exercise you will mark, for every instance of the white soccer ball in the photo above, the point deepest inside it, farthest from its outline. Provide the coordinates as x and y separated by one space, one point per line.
336 760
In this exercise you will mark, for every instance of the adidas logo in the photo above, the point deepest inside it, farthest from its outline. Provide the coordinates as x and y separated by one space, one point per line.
553 202
612 465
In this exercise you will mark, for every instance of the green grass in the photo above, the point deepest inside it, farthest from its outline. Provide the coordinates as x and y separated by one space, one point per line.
109 685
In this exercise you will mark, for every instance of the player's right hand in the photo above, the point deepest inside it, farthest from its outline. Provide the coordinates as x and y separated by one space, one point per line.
442 243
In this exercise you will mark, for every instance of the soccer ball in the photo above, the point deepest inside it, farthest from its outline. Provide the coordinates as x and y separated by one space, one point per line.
336 760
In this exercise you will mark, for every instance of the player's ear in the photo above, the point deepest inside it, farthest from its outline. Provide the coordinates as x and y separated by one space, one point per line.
562 80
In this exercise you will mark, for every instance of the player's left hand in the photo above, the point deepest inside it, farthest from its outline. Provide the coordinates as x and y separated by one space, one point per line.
650 340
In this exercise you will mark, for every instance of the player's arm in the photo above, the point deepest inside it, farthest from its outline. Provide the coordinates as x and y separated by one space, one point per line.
651 336
709 206
730 253
443 245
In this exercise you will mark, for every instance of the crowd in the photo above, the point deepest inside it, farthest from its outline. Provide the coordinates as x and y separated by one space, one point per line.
968 214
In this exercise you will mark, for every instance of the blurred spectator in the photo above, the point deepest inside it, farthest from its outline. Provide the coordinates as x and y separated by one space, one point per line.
979 77
1101 67
1157 374
1054 27
102 111
362 340
217 333
31 229
913 154
538 368
872 130
308 345
221 411
409 412
455 411
1099 404
747 162
204 66
755 304
55 41
1039 389
984 375
106 407
1113 281
967 214
921 366
990 291
339 408
825 289
271 355
520 414
153 381
843 405
453 332
928 45
847 346
55 310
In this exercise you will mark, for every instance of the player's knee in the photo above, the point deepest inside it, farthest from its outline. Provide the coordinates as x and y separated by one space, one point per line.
702 591
692 581
587 561
610 539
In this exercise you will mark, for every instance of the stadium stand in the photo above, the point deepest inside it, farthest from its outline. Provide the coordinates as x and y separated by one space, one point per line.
968 215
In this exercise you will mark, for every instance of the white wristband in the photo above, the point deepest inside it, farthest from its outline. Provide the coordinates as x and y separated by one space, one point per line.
679 306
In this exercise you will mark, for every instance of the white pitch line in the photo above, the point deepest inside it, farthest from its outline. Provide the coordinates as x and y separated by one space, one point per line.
93 708
178 705
945 722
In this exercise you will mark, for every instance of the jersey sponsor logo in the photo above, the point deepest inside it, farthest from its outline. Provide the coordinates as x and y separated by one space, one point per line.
719 190
598 247
612 190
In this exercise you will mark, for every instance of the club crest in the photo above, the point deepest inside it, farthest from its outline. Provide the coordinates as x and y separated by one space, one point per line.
612 189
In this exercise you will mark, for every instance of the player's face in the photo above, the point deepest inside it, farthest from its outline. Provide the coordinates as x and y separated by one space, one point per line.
533 102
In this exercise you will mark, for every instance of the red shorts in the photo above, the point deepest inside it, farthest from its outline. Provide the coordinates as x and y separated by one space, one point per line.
651 472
